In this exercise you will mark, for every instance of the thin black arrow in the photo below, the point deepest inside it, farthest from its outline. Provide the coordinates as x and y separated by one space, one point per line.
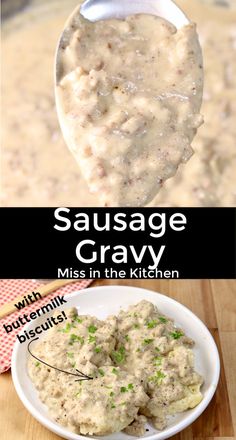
82 375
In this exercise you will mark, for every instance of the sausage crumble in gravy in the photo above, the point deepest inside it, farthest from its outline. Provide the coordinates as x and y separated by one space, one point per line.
141 364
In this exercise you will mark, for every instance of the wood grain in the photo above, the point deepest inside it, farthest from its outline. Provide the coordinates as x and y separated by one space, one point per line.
214 301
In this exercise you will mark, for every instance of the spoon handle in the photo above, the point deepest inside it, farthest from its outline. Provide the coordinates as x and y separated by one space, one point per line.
44 290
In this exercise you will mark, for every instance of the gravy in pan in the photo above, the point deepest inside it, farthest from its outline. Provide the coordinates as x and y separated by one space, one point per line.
209 179
37 168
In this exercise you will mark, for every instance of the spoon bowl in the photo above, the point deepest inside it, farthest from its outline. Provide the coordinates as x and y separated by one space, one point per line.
95 10
105 150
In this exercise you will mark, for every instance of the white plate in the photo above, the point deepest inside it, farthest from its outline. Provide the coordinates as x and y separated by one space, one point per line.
101 302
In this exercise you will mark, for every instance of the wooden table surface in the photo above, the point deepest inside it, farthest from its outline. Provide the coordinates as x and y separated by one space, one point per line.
215 304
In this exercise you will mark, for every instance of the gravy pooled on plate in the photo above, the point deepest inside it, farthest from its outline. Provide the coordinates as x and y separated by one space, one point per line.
128 100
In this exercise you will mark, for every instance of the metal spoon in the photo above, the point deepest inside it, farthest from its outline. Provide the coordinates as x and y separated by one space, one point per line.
95 10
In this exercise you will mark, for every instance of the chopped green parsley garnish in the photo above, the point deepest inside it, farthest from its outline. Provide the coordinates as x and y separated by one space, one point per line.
157 349
136 326
152 324
67 328
81 340
158 360
73 338
119 355
77 319
76 338
157 378
162 319
127 338
114 371
177 334
113 405
147 341
77 394
92 329
112 393
97 349
92 339
37 364
73 365
101 372
123 389
126 389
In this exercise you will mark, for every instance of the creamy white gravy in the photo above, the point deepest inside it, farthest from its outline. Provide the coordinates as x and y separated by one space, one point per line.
37 168
129 102
209 179
141 367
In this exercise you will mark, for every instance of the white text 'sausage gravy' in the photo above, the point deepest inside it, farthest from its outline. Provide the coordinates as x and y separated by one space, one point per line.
142 368
129 102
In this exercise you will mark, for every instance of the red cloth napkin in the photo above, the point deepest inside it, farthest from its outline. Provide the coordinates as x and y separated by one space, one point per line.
10 289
